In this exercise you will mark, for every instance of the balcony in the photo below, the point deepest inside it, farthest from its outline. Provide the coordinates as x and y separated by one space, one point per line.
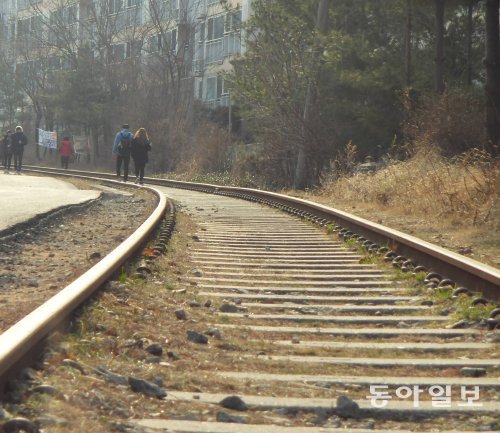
221 101
232 44
218 49
214 51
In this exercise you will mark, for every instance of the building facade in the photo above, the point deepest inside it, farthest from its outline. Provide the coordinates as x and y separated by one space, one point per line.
205 34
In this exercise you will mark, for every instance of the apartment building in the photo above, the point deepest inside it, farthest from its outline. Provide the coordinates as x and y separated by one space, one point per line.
8 12
208 33
218 38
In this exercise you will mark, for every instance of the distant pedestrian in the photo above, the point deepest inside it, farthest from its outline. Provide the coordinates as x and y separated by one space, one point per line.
140 148
18 140
121 149
7 151
66 150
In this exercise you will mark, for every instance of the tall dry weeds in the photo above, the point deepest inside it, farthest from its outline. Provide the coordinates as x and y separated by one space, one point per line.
464 190
209 150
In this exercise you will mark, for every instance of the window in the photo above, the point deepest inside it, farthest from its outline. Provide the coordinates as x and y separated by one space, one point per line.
166 42
211 88
71 14
201 34
29 25
215 28
166 9
25 4
133 49
21 70
56 17
115 6
23 27
156 8
200 89
153 44
172 7
117 53
169 41
64 16
65 63
133 17
232 22
214 87
54 63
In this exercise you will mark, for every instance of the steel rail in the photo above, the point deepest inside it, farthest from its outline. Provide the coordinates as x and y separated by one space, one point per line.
17 341
464 271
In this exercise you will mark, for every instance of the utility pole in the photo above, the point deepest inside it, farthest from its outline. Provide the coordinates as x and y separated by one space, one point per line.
230 120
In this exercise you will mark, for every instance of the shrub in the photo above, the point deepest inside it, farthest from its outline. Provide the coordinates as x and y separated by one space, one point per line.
452 122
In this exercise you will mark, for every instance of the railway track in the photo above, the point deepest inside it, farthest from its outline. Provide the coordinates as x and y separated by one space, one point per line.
320 338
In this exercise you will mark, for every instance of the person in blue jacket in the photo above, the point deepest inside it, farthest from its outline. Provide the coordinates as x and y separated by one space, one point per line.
121 149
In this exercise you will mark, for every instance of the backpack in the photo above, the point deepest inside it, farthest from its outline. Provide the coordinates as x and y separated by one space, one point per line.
124 145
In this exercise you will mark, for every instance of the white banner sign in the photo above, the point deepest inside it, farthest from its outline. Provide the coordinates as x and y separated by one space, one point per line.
47 139
81 144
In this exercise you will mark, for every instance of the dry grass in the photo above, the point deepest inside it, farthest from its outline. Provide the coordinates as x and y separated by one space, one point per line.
465 191
452 203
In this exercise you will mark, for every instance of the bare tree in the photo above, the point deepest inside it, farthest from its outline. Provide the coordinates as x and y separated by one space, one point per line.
11 95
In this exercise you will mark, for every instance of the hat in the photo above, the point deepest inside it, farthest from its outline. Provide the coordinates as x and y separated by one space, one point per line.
125 126
19 128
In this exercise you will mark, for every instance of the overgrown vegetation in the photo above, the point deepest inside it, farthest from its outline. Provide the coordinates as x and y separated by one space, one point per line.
463 189
462 306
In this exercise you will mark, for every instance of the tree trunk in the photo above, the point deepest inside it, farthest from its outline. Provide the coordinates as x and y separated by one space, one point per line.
303 170
439 35
470 29
492 62
95 143
38 122
408 42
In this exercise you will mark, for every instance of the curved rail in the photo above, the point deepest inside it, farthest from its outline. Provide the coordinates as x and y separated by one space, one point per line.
17 341
464 271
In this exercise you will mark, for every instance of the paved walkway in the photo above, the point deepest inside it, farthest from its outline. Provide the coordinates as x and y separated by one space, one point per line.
23 197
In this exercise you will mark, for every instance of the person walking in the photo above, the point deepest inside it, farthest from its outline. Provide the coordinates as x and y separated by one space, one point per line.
140 148
121 149
18 140
7 151
66 150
